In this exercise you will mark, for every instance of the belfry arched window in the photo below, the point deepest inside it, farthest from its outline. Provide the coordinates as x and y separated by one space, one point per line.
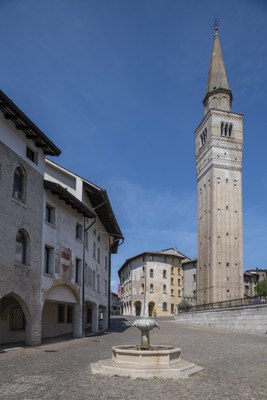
19 184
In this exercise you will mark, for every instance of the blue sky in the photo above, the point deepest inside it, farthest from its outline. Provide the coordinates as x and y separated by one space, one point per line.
118 86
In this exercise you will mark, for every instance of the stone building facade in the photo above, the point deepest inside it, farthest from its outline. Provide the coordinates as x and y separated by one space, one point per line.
23 148
190 281
58 232
152 283
219 140
80 233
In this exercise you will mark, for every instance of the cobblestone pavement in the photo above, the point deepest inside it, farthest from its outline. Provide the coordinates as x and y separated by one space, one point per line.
235 367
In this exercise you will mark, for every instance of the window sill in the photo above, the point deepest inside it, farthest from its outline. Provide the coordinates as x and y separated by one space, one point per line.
21 203
21 265
49 275
50 224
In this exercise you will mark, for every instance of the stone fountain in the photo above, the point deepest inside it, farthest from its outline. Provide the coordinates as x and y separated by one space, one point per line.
146 361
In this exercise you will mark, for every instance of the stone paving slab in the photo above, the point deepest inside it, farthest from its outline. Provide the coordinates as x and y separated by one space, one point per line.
235 367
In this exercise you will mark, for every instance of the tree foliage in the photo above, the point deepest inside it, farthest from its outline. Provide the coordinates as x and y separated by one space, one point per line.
184 306
261 288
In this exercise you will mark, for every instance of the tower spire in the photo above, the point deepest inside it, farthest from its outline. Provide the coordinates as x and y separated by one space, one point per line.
217 83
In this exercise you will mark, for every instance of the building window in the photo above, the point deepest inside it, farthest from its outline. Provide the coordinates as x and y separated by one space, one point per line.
32 155
50 214
226 129
194 277
106 287
79 231
172 308
106 263
17 319
98 283
164 306
78 270
49 260
179 293
164 273
151 288
164 289
93 279
151 273
172 292
86 237
98 255
171 281
179 270
69 314
98 238
203 137
172 270
94 250
179 282
21 248
61 314
19 184
142 288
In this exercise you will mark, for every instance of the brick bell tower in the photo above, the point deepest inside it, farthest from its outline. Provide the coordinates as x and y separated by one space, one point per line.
219 140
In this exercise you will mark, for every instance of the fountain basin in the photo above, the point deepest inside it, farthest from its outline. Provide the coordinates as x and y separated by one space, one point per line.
155 355
157 362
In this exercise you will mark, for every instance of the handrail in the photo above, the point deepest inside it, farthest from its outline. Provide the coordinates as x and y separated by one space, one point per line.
244 301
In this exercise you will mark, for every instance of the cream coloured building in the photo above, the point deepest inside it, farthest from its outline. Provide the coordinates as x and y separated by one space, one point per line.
152 282
219 140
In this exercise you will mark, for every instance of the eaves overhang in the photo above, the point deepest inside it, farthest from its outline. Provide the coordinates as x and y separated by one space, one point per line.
68 198
24 124
102 207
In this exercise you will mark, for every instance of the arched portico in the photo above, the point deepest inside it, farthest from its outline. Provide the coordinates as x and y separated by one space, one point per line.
138 307
61 312
151 308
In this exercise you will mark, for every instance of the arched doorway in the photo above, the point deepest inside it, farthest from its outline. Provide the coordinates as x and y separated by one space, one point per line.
151 307
138 306
13 321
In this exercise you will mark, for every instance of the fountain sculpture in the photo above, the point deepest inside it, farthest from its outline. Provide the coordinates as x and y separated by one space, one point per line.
146 361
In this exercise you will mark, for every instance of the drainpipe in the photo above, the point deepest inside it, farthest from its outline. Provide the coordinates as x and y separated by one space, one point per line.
83 280
109 271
